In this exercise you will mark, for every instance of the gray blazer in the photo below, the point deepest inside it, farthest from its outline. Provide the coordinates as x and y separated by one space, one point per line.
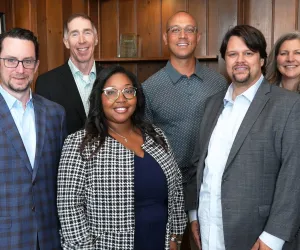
260 184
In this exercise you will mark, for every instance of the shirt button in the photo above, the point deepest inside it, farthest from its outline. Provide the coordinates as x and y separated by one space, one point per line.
33 208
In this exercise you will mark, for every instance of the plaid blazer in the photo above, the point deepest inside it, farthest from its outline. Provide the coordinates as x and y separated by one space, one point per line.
96 197
28 196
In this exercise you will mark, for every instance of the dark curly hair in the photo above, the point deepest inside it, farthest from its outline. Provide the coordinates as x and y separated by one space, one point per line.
96 125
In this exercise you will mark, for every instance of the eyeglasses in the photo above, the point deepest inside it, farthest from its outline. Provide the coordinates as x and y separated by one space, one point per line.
113 94
13 63
178 29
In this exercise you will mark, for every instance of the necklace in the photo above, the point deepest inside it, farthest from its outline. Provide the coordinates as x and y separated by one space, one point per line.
124 138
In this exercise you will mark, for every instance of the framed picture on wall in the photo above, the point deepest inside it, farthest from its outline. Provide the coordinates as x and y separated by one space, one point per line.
2 22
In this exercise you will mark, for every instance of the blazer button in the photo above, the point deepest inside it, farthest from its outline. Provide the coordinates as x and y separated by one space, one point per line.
33 208
33 183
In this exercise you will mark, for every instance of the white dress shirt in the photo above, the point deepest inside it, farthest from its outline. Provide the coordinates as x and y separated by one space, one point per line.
24 120
224 133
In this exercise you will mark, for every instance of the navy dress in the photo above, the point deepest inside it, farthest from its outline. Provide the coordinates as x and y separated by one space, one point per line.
151 204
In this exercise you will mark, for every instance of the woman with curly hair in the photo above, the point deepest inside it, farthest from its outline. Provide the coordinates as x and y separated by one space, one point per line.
119 186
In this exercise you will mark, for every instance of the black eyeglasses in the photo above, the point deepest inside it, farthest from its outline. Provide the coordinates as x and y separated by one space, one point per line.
13 63
177 29
113 94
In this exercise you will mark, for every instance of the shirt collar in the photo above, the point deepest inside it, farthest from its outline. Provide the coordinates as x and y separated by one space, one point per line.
249 93
175 75
11 100
75 70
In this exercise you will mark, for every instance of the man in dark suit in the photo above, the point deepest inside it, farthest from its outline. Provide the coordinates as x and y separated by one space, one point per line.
32 131
246 189
70 84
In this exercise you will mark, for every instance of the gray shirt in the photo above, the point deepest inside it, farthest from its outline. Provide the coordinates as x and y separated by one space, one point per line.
175 103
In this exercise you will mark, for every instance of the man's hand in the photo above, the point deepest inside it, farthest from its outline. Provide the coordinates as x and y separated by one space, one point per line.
259 245
196 233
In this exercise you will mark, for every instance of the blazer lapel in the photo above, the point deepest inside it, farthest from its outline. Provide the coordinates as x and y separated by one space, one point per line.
7 124
72 90
40 127
256 107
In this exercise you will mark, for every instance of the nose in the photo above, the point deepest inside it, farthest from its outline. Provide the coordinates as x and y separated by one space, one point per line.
182 34
121 97
20 68
241 57
291 57
81 38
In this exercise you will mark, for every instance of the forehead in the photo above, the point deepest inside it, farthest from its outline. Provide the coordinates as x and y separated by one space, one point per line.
18 48
236 43
182 19
290 44
79 23
118 80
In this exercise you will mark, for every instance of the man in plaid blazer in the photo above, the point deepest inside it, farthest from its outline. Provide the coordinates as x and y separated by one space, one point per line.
32 131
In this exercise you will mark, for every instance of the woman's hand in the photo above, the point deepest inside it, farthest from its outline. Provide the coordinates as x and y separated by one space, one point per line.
173 245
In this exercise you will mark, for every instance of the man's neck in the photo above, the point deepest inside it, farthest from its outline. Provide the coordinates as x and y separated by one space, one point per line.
184 66
85 67
23 97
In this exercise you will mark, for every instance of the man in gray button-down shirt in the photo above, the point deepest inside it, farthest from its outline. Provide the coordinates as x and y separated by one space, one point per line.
176 95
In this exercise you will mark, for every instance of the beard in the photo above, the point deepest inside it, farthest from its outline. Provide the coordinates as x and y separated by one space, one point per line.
241 79
19 89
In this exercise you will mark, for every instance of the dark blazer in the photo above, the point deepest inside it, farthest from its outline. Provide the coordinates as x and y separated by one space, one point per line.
58 85
28 196
260 184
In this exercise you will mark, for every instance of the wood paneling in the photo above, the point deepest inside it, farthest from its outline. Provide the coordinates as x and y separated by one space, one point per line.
149 27
148 18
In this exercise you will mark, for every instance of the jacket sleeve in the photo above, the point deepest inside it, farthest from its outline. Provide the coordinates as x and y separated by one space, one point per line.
179 215
41 87
75 231
284 218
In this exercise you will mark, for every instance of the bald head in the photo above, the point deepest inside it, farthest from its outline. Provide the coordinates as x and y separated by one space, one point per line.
178 16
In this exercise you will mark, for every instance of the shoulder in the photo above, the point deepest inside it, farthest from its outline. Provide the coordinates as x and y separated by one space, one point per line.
155 79
56 72
75 138
212 75
49 105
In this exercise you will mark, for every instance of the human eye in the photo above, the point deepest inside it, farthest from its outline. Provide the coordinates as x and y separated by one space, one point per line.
11 60
88 32
189 29
110 92
175 30
28 62
129 90
74 34
283 53
231 54
249 53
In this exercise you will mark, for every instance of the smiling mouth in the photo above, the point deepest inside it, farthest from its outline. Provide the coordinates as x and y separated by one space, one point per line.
182 44
121 110
82 49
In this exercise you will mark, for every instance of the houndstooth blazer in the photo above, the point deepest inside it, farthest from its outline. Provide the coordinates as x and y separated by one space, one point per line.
96 196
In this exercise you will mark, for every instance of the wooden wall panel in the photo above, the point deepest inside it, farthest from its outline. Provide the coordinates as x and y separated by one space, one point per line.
286 12
6 7
260 15
149 27
198 9
108 28
93 10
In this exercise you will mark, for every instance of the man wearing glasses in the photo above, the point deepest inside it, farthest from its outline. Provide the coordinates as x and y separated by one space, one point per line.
32 131
176 95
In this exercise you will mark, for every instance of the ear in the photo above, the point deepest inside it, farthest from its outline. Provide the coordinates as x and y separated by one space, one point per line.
36 65
165 38
198 37
66 42
96 41
262 61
